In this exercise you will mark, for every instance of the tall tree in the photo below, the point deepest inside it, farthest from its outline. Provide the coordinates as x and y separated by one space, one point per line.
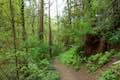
14 36
69 10
41 26
57 11
32 5
50 32
23 20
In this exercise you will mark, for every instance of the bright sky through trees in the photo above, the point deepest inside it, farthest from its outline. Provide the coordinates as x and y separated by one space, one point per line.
61 4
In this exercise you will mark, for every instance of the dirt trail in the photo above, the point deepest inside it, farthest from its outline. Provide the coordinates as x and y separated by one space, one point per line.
67 73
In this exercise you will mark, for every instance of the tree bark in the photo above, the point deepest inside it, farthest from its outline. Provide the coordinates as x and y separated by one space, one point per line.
41 27
69 10
23 21
33 17
14 36
50 32
33 20
57 13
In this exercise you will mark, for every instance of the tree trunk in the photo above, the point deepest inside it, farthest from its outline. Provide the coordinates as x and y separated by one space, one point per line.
69 10
41 27
23 21
33 17
33 20
50 32
57 13
14 36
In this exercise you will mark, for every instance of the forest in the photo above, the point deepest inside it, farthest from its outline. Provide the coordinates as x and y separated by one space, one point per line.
59 39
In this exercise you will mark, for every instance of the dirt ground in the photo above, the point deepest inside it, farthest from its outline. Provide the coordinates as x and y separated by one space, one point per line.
67 73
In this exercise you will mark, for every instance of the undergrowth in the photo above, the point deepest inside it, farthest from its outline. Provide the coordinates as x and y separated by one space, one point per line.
33 63
111 74
71 58
96 61
108 75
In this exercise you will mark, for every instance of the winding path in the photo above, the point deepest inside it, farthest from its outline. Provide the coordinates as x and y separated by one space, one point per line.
67 73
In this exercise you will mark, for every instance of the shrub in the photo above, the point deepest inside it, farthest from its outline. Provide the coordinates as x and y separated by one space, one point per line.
38 70
33 64
111 74
96 61
70 57
39 49
113 37
108 75
116 68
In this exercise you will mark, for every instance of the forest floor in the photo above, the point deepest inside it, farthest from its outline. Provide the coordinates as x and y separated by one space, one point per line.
67 73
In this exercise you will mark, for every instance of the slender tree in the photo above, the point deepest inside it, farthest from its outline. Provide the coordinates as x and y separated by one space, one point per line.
41 26
57 11
33 21
14 36
32 5
57 17
69 10
50 32
23 20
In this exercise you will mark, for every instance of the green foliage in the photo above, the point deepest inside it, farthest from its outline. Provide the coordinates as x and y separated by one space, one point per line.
108 75
116 68
76 31
34 64
31 42
51 76
81 28
105 23
31 68
113 37
71 58
96 61
39 49
98 6
33 56
38 66
92 62
41 71
105 28
118 56
111 74
40 52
